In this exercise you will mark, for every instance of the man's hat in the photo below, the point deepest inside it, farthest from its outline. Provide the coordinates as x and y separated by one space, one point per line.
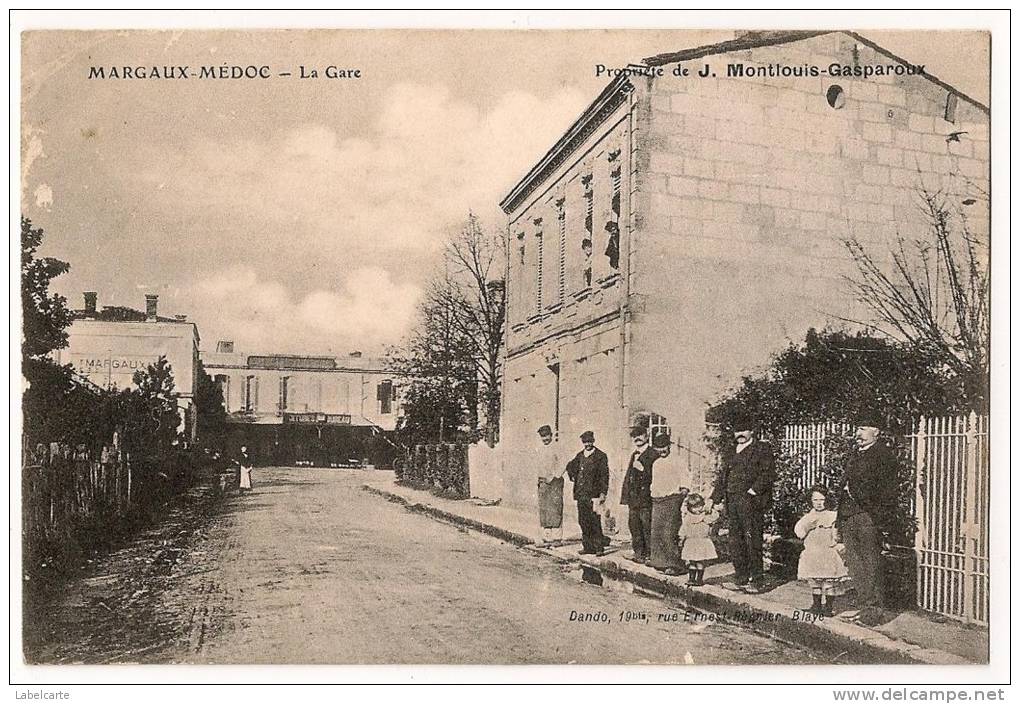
637 431
545 430
869 419
661 441
587 436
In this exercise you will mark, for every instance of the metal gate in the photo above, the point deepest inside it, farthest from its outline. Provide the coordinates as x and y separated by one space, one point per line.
950 503
952 511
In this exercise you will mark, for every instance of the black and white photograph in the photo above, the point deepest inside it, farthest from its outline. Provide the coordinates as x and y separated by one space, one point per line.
516 343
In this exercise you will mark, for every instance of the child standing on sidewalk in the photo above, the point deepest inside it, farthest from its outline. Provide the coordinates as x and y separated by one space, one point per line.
821 564
696 535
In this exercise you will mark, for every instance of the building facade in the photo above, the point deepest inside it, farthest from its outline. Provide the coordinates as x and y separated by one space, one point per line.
686 228
321 410
108 345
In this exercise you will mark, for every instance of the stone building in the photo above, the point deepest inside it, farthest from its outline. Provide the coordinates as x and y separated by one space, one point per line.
687 227
299 408
110 344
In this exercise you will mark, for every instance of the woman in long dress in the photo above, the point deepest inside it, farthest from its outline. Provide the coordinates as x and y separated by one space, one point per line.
550 488
244 462
671 482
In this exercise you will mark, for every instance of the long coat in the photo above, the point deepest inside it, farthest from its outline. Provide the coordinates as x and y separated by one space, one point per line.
637 484
869 485
753 468
590 475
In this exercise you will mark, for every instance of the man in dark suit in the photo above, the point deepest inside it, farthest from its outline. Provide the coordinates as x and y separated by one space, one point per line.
745 485
867 501
636 495
589 471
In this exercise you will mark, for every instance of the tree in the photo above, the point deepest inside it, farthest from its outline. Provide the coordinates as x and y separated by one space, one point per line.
150 410
452 358
46 316
55 400
441 396
474 290
211 413
834 375
935 293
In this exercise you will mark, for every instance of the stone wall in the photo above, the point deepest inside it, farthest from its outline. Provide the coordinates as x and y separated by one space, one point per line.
745 188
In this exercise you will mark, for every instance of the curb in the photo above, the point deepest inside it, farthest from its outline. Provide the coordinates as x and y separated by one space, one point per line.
837 639
515 538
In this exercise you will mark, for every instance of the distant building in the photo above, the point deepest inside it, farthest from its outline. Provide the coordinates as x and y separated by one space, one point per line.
109 345
685 228
323 410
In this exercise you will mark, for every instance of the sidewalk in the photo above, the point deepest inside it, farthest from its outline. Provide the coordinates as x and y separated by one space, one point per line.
910 637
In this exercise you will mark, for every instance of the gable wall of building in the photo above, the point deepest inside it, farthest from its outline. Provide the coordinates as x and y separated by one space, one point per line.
744 190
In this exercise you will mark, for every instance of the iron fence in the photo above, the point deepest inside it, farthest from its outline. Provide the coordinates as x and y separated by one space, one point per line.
950 503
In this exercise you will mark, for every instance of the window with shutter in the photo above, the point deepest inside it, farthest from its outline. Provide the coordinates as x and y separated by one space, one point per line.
589 214
613 225
284 389
561 214
541 264
223 381
384 393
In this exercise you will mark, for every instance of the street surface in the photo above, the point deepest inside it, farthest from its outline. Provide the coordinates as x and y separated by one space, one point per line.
312 569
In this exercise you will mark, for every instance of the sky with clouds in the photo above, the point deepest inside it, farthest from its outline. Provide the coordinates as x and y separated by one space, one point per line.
306 215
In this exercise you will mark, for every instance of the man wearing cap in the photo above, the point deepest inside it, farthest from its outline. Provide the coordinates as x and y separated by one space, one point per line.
550 487
671 483
589 471
636 495
745 484
867 500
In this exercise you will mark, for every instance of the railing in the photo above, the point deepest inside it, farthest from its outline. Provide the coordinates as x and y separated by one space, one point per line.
950 503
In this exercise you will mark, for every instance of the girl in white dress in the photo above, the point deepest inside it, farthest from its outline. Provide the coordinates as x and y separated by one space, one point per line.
821 564
696 533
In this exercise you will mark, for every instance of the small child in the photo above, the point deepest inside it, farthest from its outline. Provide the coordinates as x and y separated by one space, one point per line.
695 533
821 564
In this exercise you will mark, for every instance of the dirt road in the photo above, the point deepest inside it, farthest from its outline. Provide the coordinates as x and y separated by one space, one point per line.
311 569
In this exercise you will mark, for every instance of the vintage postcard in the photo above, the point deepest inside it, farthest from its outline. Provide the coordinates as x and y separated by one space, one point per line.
503 346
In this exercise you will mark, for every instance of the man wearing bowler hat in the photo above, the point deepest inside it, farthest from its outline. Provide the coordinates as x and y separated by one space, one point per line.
589 471
745 485
867 500
636 495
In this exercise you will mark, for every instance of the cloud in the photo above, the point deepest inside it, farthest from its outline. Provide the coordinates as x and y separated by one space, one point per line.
368 310
397 186
298 233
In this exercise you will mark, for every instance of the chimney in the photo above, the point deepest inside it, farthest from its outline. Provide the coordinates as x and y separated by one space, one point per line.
91 298
150 307
356 354
225 346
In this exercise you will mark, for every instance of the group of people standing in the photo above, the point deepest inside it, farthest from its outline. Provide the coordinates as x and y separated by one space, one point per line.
671 523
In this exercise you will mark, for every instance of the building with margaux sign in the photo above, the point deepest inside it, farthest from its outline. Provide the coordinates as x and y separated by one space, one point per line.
108 345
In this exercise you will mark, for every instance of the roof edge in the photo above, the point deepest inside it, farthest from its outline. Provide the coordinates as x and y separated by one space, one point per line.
611 97
751 40
942 84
